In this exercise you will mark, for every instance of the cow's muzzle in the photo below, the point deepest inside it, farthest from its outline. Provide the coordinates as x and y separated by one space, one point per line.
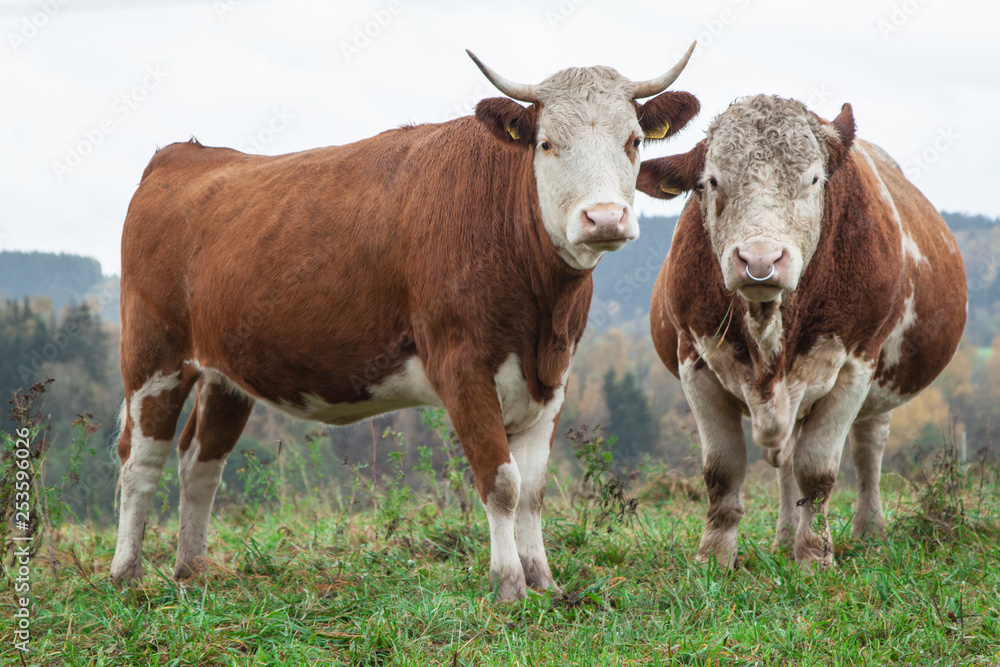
605 226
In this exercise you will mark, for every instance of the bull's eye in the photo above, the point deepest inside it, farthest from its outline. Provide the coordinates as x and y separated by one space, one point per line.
714 183
545 146
637 142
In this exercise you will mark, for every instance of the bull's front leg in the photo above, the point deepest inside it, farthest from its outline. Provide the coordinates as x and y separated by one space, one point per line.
471 401
724 456
817 459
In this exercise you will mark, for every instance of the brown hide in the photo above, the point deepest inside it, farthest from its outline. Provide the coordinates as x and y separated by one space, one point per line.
854 288
321 272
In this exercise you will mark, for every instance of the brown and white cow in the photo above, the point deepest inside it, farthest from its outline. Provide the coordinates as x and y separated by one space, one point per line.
444 264
811 286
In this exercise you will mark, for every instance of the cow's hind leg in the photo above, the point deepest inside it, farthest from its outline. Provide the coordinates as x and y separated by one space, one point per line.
530 449
150 416
868 438
209 436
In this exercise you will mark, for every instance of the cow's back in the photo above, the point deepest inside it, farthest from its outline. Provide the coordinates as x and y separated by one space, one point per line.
339 254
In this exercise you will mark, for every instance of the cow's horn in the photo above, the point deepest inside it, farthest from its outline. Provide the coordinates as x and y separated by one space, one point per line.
519 91
659 84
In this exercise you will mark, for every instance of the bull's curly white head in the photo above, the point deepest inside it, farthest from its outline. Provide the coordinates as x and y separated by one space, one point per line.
585 128
760 179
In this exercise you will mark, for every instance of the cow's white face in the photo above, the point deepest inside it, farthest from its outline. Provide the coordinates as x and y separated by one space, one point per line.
762 197
586 162
585 128
761 176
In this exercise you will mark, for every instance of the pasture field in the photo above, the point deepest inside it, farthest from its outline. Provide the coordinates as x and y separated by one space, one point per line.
302 579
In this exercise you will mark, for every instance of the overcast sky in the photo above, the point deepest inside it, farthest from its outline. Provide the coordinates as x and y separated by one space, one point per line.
90 88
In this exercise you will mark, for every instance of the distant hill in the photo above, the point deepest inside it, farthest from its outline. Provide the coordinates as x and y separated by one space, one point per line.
66 279
623 280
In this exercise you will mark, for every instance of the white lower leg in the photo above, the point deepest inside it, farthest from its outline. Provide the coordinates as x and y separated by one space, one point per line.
199 483
140 477
532 455
506 574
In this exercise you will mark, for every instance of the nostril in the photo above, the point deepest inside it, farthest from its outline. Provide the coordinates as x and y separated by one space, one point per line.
604 220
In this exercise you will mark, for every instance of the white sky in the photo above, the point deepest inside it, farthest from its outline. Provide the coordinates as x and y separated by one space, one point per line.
117 78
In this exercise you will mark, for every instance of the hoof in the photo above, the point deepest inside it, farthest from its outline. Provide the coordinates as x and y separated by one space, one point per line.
508 587
126 573
873 529
816 554
537 575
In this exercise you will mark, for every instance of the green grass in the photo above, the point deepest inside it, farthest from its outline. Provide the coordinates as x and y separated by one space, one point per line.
305 584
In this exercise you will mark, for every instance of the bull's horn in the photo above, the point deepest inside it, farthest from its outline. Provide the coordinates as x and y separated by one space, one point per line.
519 91
659 84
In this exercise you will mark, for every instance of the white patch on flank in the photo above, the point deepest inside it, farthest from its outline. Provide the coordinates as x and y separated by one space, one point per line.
407 389
892 348
910 247
139 479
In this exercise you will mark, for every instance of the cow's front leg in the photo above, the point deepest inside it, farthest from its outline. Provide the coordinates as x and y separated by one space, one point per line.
817 459
724 456
788 498
475 413
531 451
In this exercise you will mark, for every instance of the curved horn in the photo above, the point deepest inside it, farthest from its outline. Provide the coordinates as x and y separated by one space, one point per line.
659 84
519 91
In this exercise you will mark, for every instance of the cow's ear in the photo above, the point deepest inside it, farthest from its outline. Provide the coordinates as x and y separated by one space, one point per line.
839 137
666 114
508 120
667 177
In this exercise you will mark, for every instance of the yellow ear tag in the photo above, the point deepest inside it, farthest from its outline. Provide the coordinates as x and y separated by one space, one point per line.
512 131
659 132
669 189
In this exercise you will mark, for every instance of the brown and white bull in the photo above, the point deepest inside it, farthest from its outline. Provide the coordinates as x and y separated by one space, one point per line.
442 264
811 286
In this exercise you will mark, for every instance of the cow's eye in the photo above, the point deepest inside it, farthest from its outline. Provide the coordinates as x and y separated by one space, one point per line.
714 183
815 180
637 142
545 146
